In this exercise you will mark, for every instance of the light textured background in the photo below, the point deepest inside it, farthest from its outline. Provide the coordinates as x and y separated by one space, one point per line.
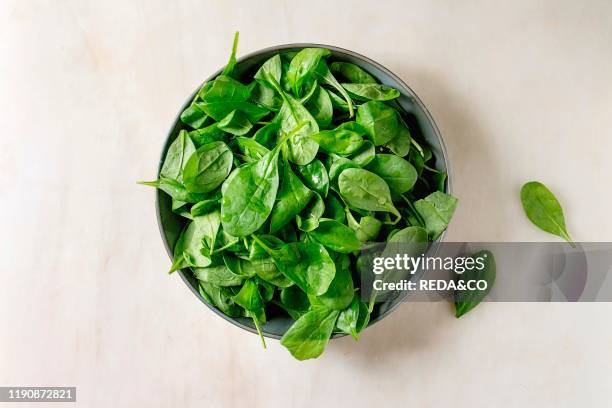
520 90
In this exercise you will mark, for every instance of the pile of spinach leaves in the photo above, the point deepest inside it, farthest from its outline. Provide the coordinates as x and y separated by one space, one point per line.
282 175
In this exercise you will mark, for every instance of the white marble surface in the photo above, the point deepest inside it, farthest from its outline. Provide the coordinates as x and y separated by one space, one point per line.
520 90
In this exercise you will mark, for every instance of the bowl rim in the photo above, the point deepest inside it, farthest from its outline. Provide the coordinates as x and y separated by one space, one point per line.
279 48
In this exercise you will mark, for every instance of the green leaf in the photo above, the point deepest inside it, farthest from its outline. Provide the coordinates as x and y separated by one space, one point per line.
343 140
292 198
218 275
208 134
397 172
340 292
365 190
466 300
320 107
208 167
248 195
543 210
193 116
324 76
371 92
379 120
336 236
348 318
302 149
315 177
352 73
231 64
178 153
309 335
303 66
436 210
236 123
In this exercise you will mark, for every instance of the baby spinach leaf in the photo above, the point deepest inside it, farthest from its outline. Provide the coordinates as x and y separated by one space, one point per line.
371 92
543 209
266 135
347 319
397 172
248 195
308 265
400 144
292 198
250 299
193 116
303 65
334 209
436 210
466 300
325 76
270 72
201 229
294 301
251 148
353 73
178 260
309 335
343 140
178 153
302 149
231 64
340 292
336 236
224 94
308 220
379 121
220 299
207 205
365 190
235 123
367 229
218 275
337 165
320 107
208 167
175 190
315 177
337 102
208 134
364 155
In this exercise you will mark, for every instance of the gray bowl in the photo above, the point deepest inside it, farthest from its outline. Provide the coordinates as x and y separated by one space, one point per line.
170 224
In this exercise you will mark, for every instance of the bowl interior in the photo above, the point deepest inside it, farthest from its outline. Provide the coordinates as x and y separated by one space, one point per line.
418 119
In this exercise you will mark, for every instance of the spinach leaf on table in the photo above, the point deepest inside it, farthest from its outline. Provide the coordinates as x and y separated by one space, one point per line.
543 210
466 300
